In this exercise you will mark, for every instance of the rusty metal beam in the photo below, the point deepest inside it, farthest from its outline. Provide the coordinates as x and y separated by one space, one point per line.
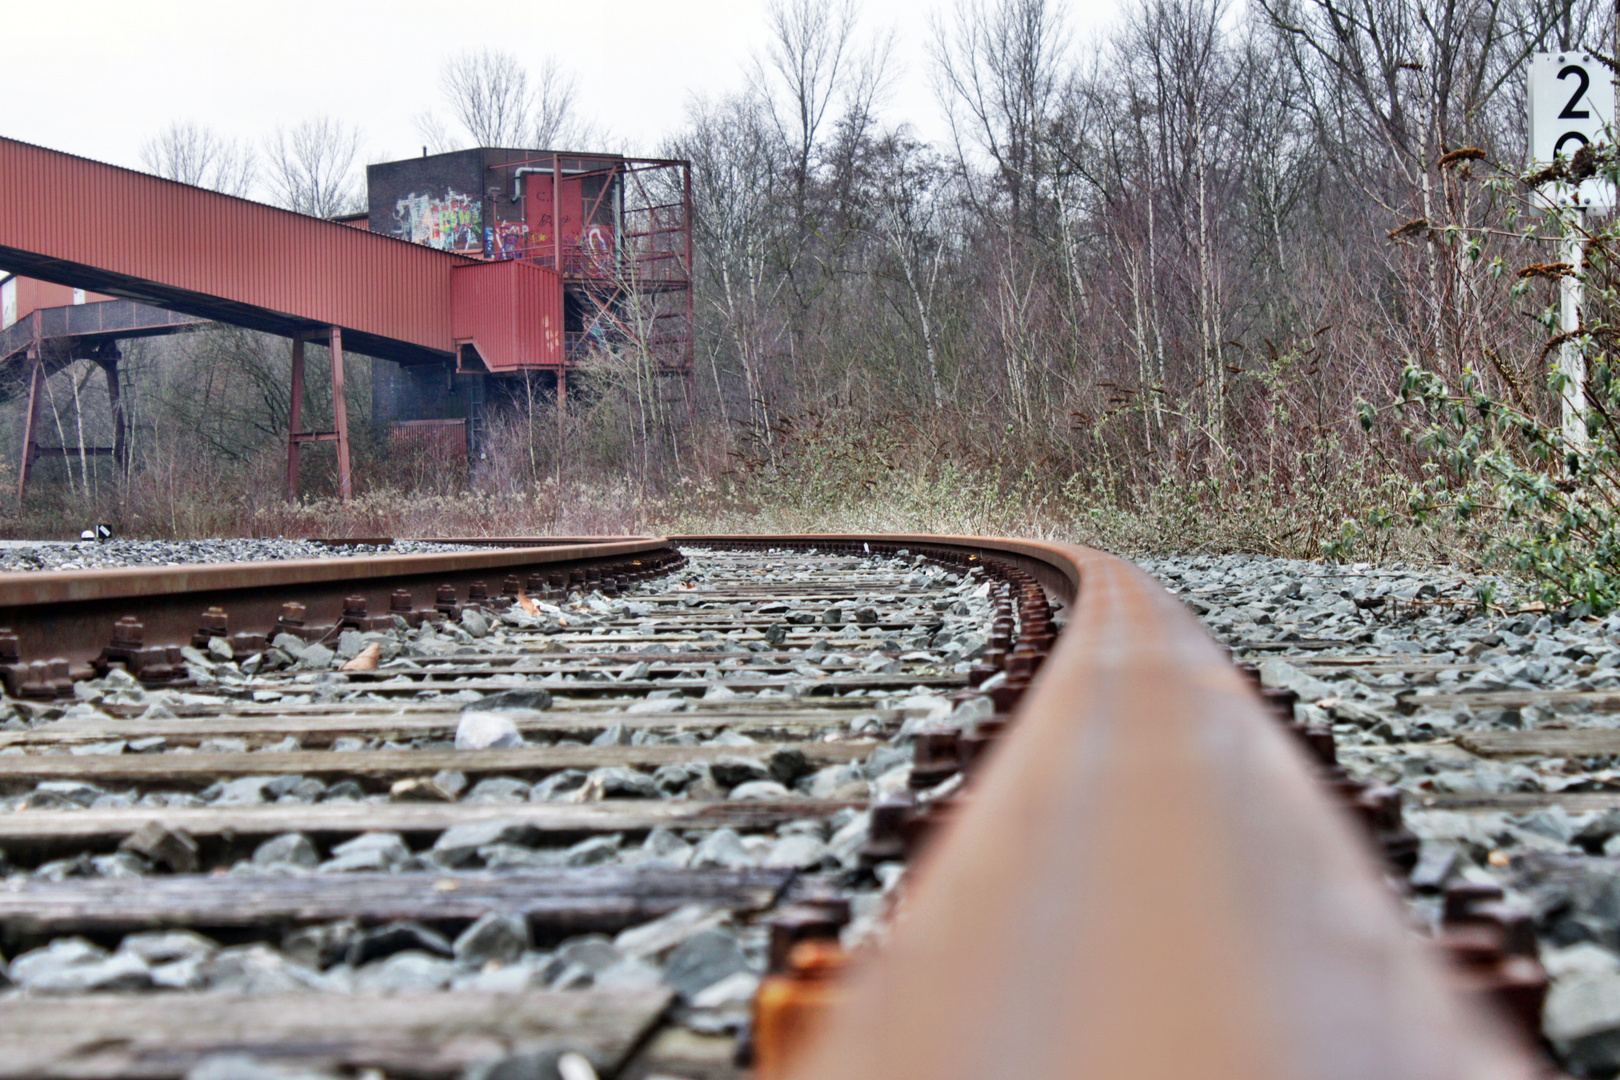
295 417
340 414
70 614
25 460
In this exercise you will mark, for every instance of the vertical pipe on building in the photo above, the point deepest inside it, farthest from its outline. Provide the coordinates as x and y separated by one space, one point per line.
556 213
295 416
36 372
340 414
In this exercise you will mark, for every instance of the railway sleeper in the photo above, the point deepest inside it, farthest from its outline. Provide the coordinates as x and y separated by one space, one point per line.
663 913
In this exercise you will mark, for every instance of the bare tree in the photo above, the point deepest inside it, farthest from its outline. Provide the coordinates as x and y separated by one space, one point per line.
311 167
195 154
999 74
488 92
436 136
554 123
809 52
737 166
911 196
498 102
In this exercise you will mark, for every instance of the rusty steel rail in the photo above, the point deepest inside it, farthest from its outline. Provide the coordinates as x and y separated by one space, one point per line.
1147 880
1144 878
71 615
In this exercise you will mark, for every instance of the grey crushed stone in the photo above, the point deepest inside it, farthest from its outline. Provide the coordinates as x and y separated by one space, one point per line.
1548 861
23 556
704 955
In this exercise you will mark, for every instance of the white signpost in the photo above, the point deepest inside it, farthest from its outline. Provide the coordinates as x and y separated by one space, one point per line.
1571 99
1571 106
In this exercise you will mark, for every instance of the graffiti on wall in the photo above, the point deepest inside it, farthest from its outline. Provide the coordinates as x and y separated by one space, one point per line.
507 240
596 250
450 222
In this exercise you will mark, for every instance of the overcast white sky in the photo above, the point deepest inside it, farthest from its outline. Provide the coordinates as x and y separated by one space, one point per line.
97 77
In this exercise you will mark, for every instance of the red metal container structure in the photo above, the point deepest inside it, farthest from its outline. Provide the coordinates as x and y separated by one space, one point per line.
590 252
514 308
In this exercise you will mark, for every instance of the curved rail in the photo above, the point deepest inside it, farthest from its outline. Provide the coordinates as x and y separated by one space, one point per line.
1148 881
68 614
1146 878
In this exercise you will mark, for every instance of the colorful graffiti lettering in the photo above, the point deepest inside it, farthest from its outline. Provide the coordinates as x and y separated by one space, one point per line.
451 222
507 240
596 250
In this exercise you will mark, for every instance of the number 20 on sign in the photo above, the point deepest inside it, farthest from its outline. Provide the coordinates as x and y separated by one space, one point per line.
1571 106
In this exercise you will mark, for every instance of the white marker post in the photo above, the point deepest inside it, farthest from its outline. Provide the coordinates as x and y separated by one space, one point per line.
1571 106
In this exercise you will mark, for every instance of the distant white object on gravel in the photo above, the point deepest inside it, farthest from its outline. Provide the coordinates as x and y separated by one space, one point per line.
486 731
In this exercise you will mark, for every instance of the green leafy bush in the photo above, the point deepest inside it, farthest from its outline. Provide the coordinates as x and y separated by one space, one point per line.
1494 460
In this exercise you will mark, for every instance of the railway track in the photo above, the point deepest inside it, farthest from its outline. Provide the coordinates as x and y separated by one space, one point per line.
651 800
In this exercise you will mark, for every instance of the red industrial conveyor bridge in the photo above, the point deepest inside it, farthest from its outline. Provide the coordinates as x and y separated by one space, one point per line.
171 246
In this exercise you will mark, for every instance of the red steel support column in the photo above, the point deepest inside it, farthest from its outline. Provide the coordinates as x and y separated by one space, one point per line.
340 414
690 344
36 376
115 401
295 416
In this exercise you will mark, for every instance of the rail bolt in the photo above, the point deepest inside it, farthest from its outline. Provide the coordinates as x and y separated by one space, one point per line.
1024 660
927 819
1515 926
10 648
477 593
292 614
886 839
937 757
1461 897
215 623
981 738
128 633
1008 694
355 607
823 896
802 922
511 586
400 602
791 1007
1281 701
1318 741
1380 806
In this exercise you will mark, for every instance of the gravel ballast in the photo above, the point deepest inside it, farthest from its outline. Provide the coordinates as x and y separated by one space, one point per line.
24 555
1442 671
925 622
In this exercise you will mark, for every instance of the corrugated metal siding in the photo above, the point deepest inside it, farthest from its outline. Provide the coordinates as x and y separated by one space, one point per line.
511 312
33 295
140 226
